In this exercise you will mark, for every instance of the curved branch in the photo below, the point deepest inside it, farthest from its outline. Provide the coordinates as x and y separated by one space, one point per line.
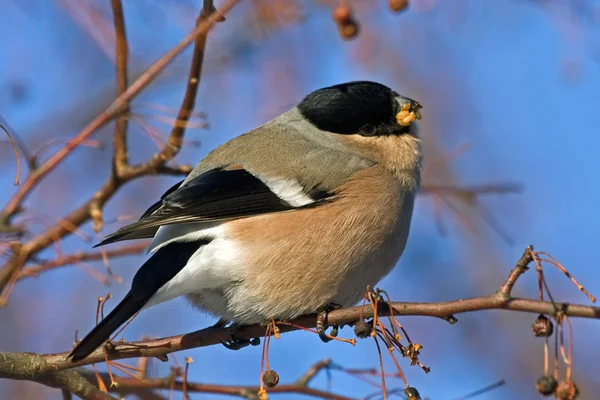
68 259
120 157
145 388
30 364
116 106
124 173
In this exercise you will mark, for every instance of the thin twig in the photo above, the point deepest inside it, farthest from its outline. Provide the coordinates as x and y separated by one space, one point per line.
68 259
10 270
173 145
129 385
14 146
517 271
499 188
120 158
305 379
73 382
116 106
486 389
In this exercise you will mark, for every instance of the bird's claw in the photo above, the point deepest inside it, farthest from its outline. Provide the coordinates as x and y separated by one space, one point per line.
236 344
322 325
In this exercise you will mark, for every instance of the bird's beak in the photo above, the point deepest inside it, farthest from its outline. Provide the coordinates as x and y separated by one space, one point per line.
409 111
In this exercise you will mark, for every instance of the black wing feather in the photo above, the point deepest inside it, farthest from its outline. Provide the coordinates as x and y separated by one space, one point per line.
157 205
218 194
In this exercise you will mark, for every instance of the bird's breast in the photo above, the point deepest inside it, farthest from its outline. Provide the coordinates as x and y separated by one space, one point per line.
298 261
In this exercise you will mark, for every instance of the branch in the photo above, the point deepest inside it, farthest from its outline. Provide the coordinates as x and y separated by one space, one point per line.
173 145
120 158
116 106
16 151
159 348
493 188
145 387
70 381
31 366
92 208
68 259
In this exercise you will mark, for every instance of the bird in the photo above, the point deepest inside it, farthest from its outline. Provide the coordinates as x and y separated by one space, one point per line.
297 216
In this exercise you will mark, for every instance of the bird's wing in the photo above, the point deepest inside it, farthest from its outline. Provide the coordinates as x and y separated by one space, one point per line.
219 194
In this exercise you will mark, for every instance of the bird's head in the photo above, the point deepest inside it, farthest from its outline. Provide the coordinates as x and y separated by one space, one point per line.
362 107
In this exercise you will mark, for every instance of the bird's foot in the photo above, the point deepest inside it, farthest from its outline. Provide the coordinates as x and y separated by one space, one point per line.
234 343
322 322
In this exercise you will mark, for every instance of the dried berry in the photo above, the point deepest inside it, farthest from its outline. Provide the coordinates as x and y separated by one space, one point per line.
412 393
567 390
270 378
546 385
362 329
348 30
342 14
542 327
398 5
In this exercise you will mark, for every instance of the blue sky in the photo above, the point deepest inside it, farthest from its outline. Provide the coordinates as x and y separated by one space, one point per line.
515 80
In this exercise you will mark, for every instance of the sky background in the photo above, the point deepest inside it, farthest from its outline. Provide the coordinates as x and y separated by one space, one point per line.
515 81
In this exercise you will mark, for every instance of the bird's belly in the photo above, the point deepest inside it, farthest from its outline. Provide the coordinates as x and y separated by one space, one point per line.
288 275
281 298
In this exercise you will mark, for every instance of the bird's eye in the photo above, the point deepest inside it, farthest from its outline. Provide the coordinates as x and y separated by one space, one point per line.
368 130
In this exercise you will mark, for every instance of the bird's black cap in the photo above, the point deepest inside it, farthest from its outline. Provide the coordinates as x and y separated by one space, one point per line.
361 107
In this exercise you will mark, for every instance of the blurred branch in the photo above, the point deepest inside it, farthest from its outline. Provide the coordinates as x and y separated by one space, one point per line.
92 208
69 381
120 158
22 147
500 188
67 259
14 146
103 118
23 365
173 145
145 387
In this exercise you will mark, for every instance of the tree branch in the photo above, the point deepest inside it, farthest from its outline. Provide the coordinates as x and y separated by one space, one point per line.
93 207
104 117
67 259
145 387
120 158
494 188
210 336
31 366
173 144
69 381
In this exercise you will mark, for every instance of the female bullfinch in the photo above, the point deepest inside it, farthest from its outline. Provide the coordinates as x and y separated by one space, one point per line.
293 217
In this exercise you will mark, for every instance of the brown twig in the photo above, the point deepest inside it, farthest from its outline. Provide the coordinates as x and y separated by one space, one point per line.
31 366
68 259
500 188
300 386
14 146
116 106
73 382
211 336
93 206
120 158
21 145
305 379
517 271
173 145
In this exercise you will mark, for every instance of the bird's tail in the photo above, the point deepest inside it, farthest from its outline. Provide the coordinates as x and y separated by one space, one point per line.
117 317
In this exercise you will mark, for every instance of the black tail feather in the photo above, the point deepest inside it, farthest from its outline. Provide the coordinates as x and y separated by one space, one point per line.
101 333
156 271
